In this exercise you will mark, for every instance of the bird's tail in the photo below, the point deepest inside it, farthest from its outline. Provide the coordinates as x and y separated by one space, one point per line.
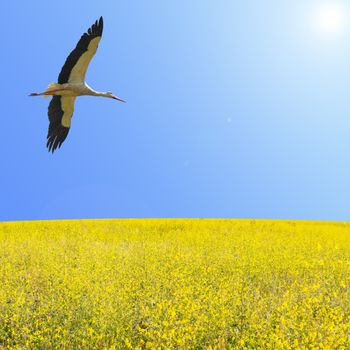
51 87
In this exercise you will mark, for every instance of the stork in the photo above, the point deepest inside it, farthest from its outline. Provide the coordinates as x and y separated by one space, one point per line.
71 83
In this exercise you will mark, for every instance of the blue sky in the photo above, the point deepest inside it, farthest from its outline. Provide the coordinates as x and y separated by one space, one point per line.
234 109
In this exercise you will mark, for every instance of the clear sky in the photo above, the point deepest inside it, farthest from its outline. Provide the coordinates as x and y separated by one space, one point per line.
234 109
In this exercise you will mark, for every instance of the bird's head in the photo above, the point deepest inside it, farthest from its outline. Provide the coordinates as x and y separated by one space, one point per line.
110 95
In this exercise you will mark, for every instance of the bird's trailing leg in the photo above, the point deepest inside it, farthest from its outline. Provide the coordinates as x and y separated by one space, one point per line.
50 91
45 93
39 94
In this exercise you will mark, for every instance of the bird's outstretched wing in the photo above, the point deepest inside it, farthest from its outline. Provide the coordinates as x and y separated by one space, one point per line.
74 69
60 113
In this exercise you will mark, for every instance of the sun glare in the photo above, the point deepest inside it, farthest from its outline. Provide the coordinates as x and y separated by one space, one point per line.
330 20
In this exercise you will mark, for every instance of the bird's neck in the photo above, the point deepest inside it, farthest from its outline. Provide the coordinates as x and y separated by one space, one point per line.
102 94
91 91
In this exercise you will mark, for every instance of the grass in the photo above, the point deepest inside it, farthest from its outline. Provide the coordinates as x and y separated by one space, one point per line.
174 284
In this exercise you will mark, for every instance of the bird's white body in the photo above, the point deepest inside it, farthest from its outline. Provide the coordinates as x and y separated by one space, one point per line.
74 90
68 89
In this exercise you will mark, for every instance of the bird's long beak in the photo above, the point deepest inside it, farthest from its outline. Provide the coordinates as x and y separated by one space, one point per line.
118 99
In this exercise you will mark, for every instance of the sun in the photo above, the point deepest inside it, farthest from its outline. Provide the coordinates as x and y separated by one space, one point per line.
330 19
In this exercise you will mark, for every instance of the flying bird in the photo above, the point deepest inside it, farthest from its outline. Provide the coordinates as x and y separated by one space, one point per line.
71 83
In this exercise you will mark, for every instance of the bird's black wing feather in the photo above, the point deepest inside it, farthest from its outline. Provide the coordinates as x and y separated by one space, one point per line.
57 133
94 31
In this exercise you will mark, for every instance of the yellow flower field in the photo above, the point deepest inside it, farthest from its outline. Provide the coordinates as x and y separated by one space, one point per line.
175 284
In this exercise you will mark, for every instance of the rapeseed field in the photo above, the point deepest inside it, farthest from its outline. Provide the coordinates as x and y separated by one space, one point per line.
174 284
